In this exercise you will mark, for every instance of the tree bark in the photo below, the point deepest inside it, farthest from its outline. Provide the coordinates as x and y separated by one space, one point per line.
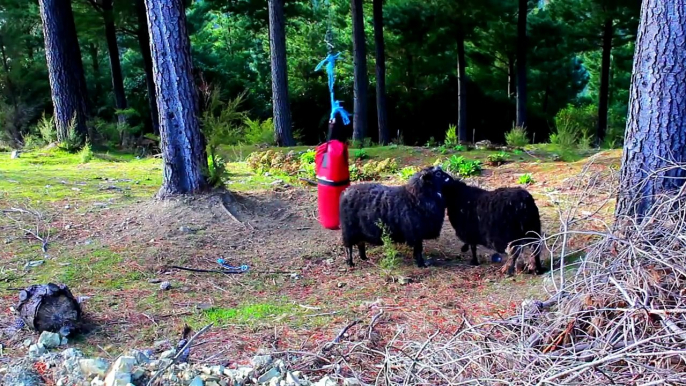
656 126
360 72
182 143
511 76
277 45
115 63
521 63
65 69
144 44
603 98
381 113
461 89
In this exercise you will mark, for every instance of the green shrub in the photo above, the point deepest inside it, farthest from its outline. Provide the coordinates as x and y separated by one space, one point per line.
32 141
526 179
462 166
73 141
390 259
86 153
498 158
217 172
259 132
407 172
517 137
459 148
46 129
451 139
221 121
431 142
575 127
360 154
308 157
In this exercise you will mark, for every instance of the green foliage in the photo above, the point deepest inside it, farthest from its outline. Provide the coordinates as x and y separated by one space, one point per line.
73 141
32 141
46 128
462 166
259 132
390 259
451 139
574 127
517 137
407 172
431 142
217 172
498 158
221 122
86 153
360 154
526 179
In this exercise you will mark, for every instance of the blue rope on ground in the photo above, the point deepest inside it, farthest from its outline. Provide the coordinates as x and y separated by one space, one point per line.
336 108
242 268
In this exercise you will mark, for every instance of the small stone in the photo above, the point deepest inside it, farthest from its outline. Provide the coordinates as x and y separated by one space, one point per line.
124 364
211 383
340 285
168 354
326 381
244 372
15 154
351 382
71 353
404 280
217 370
187 375
137 374
165 285
117 378
154 281
267 377
90 367
184 229
64 341
197 381
261 361
292 380
141 358
27 342
97 382
36 350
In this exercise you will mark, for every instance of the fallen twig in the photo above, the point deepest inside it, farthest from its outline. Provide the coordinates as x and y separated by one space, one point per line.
178 354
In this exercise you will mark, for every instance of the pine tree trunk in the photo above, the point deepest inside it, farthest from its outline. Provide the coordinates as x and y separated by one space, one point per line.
360 72
65 69
381 113
115 63
521 63
182 143
511 77
277 45
603 99
461 89
144 44
656 125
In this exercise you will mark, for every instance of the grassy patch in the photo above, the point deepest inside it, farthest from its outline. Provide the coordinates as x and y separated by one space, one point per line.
246 314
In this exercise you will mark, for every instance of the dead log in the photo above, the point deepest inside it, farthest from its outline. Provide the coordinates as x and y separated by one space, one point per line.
49 307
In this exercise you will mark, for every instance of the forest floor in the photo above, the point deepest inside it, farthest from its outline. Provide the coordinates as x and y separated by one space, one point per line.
110 241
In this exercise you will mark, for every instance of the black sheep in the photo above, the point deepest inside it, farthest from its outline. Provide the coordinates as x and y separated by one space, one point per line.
412 213
495 219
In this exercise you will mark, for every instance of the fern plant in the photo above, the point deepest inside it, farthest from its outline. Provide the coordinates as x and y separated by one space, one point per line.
259 132
73 140
451 139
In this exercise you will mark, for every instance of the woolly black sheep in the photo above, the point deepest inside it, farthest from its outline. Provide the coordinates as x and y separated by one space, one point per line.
412 213
495 219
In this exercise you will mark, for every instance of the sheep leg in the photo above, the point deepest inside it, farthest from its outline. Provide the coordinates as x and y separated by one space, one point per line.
537 267
349 253
465 248
418 251
475 259
513 252
363 252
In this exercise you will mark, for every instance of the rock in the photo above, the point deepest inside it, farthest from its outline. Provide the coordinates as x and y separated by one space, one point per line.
155 281
261 361
292 380
244 372
71 353
97 382
340 285
187 375
168 354
403 280
117 378
137 373
124 364
15 154
217 370
351 382
165 285
326 381
184 229
91 367
140 357
267 377
49 339
197 381
27 342
36 350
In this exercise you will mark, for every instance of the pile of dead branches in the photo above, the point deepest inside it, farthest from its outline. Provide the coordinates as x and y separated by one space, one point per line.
618 318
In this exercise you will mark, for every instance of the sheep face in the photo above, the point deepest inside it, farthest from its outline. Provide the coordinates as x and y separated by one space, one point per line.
430 179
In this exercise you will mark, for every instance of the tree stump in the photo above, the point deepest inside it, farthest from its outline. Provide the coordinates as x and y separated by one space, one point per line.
49 307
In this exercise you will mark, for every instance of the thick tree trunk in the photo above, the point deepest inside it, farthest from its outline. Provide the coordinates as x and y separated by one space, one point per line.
115 63
65 69
603 98
656 126
277 45
381 113
182 143
144 44
521 63
461 90
360 72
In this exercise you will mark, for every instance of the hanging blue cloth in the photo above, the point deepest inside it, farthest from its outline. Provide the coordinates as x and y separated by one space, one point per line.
336 108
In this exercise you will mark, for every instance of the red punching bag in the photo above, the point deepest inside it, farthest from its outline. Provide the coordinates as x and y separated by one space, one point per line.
333 177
